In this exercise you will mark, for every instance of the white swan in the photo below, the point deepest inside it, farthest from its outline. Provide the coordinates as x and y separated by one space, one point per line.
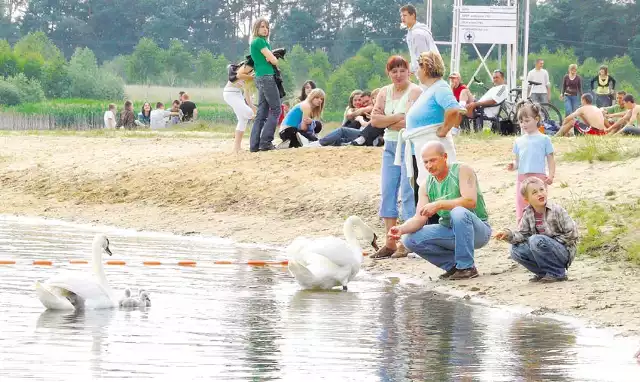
69 290
143 299
328 262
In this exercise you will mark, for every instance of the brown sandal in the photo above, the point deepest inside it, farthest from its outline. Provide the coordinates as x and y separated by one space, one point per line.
402 251
383 253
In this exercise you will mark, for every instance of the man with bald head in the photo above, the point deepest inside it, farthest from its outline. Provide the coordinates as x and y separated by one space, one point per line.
452 192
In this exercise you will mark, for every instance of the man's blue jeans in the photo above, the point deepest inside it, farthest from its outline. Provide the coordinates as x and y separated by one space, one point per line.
542 255
446 247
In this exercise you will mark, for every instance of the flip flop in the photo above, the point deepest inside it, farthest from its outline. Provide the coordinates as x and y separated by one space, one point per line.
383 253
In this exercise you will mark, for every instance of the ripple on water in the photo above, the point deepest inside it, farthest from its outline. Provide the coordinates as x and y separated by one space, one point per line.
236 322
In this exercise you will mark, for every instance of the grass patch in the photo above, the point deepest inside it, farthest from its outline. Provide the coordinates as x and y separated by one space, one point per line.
602 149
608 230
482 135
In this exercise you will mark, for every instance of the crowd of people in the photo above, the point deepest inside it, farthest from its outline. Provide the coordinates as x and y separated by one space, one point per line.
445 218
182 110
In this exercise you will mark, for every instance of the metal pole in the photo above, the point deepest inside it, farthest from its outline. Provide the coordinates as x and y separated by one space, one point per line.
429 4
525 85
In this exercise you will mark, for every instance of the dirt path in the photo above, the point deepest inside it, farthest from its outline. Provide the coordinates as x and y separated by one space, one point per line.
181 184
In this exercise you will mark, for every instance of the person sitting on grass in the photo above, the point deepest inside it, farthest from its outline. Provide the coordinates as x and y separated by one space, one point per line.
303 120
546 238
127 118
630 123
591 119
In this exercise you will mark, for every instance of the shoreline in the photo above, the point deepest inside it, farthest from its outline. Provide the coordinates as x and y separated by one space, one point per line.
190 186
402 278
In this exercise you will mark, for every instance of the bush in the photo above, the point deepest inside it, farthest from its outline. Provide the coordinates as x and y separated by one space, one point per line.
9 94
29 89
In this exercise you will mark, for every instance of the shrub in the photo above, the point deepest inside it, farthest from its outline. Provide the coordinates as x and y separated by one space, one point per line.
9 94
29 89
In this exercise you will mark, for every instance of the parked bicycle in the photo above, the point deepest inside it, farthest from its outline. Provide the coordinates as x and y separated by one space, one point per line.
548 111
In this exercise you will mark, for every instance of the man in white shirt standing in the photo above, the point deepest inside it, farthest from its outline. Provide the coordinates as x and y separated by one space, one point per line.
419 38
539 93
110 117
159 116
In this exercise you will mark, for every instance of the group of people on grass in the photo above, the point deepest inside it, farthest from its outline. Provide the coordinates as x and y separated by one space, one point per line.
182 110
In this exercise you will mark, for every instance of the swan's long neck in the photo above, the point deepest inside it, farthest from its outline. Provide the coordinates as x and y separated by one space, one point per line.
98 268
349 232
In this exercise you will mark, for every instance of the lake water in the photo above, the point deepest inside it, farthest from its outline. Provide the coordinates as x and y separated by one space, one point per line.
248 323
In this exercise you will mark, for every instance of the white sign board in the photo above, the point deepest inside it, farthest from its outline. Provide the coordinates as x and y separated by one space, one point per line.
488 25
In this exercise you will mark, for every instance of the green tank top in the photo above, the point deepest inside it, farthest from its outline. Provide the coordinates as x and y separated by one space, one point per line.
394 107
449 189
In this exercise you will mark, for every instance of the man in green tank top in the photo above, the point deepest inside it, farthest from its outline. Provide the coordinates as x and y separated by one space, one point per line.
451 191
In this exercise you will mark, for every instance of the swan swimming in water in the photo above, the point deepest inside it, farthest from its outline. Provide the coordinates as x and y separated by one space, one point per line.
143 299
328 262
74 291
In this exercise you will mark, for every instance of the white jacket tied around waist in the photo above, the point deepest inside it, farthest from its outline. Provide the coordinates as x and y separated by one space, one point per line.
419 137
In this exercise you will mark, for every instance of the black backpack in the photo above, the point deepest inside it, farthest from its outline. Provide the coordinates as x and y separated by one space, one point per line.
232 69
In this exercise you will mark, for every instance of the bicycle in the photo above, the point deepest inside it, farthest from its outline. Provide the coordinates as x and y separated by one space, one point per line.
547 110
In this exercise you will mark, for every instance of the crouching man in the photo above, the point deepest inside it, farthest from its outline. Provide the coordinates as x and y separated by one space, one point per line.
545 242
453 193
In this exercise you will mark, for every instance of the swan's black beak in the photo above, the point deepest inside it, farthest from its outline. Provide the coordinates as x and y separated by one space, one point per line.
108 251
374 243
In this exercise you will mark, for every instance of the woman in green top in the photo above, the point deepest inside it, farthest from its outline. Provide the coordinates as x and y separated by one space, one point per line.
264 125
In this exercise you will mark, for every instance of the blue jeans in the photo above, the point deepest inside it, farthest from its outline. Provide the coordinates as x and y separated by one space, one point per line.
542 255
393 180
264 125
339 136
631 130
571 104
447 247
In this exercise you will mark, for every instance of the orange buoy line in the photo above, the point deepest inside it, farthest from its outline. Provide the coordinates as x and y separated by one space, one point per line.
182 263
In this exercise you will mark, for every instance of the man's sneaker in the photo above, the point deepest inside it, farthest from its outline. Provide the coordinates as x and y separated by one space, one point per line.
550 279
535 279
464 274
268 148
448 273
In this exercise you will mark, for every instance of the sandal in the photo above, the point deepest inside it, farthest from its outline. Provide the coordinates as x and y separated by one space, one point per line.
383 253
402 251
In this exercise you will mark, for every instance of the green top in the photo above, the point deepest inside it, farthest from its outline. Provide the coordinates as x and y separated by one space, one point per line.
260 63
449 189
391 107
614 109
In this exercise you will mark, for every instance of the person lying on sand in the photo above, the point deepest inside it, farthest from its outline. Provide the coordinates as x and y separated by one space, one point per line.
545 242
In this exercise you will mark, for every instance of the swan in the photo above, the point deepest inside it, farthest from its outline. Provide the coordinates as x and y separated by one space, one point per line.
328 262
73 291
143 299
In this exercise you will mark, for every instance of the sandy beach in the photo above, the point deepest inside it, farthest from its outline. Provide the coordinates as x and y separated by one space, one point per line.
193 184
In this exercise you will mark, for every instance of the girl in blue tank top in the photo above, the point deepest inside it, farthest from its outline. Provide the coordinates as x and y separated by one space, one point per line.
304 119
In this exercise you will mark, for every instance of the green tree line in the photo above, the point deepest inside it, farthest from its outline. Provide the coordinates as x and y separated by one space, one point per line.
593 28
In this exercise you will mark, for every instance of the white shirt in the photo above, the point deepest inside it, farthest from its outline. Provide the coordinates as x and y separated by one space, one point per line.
158 120
109 120
497 93
541 76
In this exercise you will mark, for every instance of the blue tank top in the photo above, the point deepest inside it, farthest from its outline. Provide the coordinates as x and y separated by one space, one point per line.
293 117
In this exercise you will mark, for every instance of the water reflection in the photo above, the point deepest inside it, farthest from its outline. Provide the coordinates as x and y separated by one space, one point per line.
253 323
